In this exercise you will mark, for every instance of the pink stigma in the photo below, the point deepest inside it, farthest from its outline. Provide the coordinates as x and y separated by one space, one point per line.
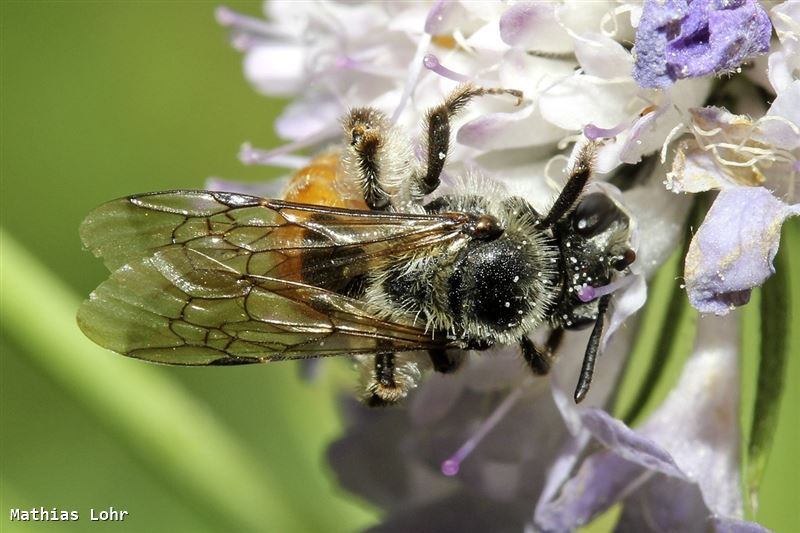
432 63
452 464
587 294
450 467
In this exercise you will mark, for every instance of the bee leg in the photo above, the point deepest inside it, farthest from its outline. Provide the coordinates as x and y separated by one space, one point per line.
445 361
437 131
578 176
587 369
389 380
367 132
540 361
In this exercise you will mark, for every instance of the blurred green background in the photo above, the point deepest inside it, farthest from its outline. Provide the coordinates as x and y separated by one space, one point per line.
101 100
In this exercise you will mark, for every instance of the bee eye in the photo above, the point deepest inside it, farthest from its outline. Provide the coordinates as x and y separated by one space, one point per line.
594 214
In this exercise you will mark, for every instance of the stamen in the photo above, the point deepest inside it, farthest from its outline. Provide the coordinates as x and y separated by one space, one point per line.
451 466
588 293
281 156
673 133
431 62
414 70
593 132
231 19
611 16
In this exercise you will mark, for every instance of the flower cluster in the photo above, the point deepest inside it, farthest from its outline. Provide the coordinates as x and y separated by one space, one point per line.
491 448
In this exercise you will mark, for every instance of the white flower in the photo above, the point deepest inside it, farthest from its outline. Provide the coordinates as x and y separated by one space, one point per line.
505 439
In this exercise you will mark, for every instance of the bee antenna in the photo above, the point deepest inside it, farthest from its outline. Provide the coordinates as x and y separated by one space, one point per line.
592 348
578 176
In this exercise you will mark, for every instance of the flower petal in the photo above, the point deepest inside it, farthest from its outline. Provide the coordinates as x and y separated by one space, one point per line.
275 68
533 26
681 39
602 56
525 127
698 423
733 250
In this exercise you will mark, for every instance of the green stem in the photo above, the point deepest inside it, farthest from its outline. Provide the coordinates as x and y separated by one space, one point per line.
155 415
774 351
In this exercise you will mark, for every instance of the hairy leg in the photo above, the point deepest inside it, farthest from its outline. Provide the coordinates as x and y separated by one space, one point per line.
437 131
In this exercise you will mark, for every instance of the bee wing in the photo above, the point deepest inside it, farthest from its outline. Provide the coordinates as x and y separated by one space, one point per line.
211 278
270 237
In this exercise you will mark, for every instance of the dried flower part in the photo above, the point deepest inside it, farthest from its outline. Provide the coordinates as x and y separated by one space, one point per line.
689 38
731 150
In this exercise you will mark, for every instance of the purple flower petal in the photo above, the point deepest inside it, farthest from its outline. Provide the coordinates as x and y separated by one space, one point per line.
664 504
676 471
601 481
533 26
689 38
733 250
730 525
444 17
525 127
275 68
628 444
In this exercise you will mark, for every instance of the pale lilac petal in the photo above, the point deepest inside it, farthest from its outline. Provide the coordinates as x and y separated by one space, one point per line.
681 467
659 217
525 127
784 133
601 481
731 525
734 248
629 444
646 133
602 56
533 26
520 69
579 100
444 17
649 133
305 118
784 62
626 302
275 68
698 423
664 504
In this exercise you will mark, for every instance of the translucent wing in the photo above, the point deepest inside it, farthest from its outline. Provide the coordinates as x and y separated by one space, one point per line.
214 278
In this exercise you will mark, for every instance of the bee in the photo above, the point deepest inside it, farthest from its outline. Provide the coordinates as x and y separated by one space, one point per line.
360 258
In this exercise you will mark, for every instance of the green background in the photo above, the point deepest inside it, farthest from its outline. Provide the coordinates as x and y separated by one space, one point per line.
101 100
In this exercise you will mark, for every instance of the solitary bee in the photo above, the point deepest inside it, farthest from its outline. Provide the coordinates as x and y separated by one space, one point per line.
357 260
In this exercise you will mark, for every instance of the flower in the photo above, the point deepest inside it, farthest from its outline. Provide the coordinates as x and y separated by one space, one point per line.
680 468
690 38
755 165
477 450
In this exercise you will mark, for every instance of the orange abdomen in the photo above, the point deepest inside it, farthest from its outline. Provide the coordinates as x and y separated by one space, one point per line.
322 183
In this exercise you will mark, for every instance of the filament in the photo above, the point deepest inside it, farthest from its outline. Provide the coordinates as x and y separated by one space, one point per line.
452 465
